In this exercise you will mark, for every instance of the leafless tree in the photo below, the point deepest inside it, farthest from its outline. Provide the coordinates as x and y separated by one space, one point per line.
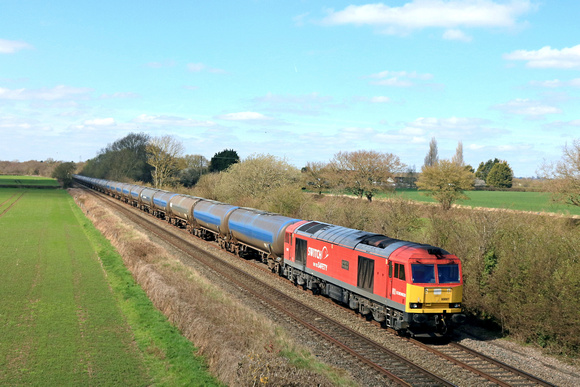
565 175
432 158
458 157
163 155
365 172
316 176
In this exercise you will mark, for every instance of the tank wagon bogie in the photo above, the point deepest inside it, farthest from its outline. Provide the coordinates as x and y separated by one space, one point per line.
410 287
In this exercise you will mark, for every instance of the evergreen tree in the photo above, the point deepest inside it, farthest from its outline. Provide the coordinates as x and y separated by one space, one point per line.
484 169
500 176
222 160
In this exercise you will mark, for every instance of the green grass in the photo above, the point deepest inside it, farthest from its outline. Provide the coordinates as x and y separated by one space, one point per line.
522 201
8 180
66 321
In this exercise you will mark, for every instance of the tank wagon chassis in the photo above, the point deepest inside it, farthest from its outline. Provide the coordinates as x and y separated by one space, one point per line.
368 273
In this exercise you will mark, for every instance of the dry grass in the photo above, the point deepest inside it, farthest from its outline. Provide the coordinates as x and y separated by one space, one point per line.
241 346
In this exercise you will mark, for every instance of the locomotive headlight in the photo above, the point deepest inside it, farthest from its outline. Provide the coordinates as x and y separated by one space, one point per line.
415 305
455 305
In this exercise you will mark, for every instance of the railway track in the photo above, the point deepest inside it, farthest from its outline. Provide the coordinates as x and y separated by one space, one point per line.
493 370
384 363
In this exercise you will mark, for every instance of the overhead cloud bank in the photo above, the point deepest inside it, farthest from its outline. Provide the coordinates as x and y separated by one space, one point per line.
548 57
243 116
419 14
56 93
11 46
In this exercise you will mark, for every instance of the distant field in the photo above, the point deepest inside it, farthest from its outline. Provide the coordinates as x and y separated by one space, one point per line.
8 180
63 321
522 201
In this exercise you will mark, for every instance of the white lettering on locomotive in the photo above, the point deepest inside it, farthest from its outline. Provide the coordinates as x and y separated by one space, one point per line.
398 293
318 254
320 265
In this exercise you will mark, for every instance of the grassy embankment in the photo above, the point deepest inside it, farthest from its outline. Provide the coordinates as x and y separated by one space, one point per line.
9 180
70 316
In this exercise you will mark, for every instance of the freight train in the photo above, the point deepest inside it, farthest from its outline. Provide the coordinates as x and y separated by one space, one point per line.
413 288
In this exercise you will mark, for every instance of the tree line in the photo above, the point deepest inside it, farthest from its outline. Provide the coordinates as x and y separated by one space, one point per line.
161 162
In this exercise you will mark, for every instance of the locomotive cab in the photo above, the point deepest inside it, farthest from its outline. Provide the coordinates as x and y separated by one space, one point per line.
434 291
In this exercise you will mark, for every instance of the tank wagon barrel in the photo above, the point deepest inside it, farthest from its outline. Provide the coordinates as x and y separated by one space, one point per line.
213 216
259 229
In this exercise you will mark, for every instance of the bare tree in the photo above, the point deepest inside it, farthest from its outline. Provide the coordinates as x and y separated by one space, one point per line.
316 176
432 158
366 172
565 175
163 155
458 157
194 166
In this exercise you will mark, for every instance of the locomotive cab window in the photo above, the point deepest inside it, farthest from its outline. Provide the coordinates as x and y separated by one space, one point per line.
448 274
400 271
423 274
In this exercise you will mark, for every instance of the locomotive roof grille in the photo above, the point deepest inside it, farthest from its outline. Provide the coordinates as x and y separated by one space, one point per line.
380 241
313 227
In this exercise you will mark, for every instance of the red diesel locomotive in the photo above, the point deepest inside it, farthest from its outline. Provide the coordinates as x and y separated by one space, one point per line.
408 286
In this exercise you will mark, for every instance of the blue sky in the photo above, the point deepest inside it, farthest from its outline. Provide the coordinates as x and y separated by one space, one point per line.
301 80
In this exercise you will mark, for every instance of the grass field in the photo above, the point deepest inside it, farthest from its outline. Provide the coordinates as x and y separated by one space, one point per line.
70 316
521 201
9 180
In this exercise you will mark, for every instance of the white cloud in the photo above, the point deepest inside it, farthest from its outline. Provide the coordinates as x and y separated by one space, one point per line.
100 122
527 107
399 78
419 14
16 123
311 104
120 95
198 67
11 46
547 57
58 92
158 65
195 67
456 35
475 146
171 121
556 83
244 116
380 99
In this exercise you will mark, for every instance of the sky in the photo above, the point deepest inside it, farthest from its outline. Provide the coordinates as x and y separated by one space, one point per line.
298 79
